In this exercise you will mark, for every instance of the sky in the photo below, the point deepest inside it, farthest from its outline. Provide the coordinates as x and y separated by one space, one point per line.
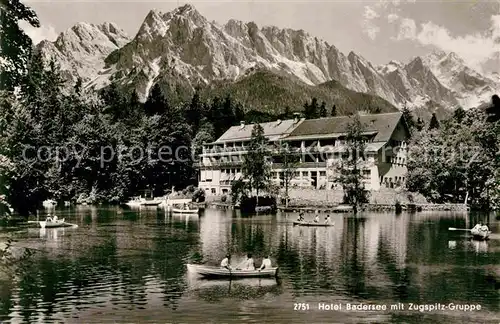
380 31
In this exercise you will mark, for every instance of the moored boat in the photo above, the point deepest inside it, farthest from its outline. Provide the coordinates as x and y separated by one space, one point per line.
218 272
342 209
312 224
139 201
49 223
185 211
49 203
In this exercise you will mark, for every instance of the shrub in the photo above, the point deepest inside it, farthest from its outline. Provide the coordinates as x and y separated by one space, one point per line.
199 195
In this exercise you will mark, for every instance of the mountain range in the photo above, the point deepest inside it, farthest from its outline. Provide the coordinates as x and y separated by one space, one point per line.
266 67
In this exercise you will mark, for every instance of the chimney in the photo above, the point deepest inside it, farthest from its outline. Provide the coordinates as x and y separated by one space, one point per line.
242 124
296 117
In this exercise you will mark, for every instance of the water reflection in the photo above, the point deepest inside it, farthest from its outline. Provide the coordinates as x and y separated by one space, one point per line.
133 263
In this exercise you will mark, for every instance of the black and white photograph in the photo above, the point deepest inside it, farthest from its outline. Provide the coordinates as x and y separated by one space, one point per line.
234 161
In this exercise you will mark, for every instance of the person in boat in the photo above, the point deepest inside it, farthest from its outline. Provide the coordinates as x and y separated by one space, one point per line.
225 263
327 219
266 263
477 227
54 219
248 264
484 228
316 219
48 219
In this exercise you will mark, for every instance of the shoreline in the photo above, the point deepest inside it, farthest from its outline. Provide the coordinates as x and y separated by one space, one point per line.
320 208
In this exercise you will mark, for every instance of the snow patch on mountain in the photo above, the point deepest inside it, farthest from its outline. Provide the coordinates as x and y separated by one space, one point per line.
470 87
183 46
81 50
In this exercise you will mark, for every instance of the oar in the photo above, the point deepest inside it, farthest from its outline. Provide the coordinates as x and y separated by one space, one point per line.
457 229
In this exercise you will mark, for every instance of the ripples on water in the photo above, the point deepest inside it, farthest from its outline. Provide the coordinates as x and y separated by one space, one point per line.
122 265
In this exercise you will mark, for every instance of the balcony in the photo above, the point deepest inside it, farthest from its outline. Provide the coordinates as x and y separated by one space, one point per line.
217 165
301 165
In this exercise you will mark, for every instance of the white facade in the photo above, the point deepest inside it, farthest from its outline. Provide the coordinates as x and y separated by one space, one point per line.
384 166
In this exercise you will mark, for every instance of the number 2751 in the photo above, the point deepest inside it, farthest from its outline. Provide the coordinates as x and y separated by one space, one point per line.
300 306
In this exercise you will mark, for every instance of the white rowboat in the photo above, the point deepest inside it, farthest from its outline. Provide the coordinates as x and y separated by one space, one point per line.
218 272
185 211
54 224
479 234
312 224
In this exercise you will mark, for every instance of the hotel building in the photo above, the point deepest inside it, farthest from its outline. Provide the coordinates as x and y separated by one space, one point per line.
320 144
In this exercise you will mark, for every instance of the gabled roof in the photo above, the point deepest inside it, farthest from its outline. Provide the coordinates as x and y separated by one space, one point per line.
272 130
383 124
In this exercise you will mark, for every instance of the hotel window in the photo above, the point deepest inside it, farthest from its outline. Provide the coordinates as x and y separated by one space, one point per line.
305 173
367 173
213 190
322 173
238 170
296 174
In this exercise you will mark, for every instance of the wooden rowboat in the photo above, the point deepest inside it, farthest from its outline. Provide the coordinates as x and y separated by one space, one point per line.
55 224
185 211
312 224
218 272
480 235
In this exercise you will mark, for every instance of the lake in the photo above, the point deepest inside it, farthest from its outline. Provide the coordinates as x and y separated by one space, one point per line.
125 265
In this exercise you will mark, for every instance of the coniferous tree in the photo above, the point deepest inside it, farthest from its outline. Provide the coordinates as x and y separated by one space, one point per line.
322 110
194 112
459 114
78 86
434 123
494 110
419 125
311 110
228 112
408 118
287 114
239 114
334 111
157 102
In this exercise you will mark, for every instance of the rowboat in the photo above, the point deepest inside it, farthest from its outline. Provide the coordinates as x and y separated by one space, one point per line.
312 224
185 211
56 223
218 272
479 234
49 203
139 201
263 209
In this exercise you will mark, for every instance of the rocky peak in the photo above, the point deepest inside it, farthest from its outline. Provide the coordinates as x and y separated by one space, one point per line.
236 28
188 12
81 49
91 37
